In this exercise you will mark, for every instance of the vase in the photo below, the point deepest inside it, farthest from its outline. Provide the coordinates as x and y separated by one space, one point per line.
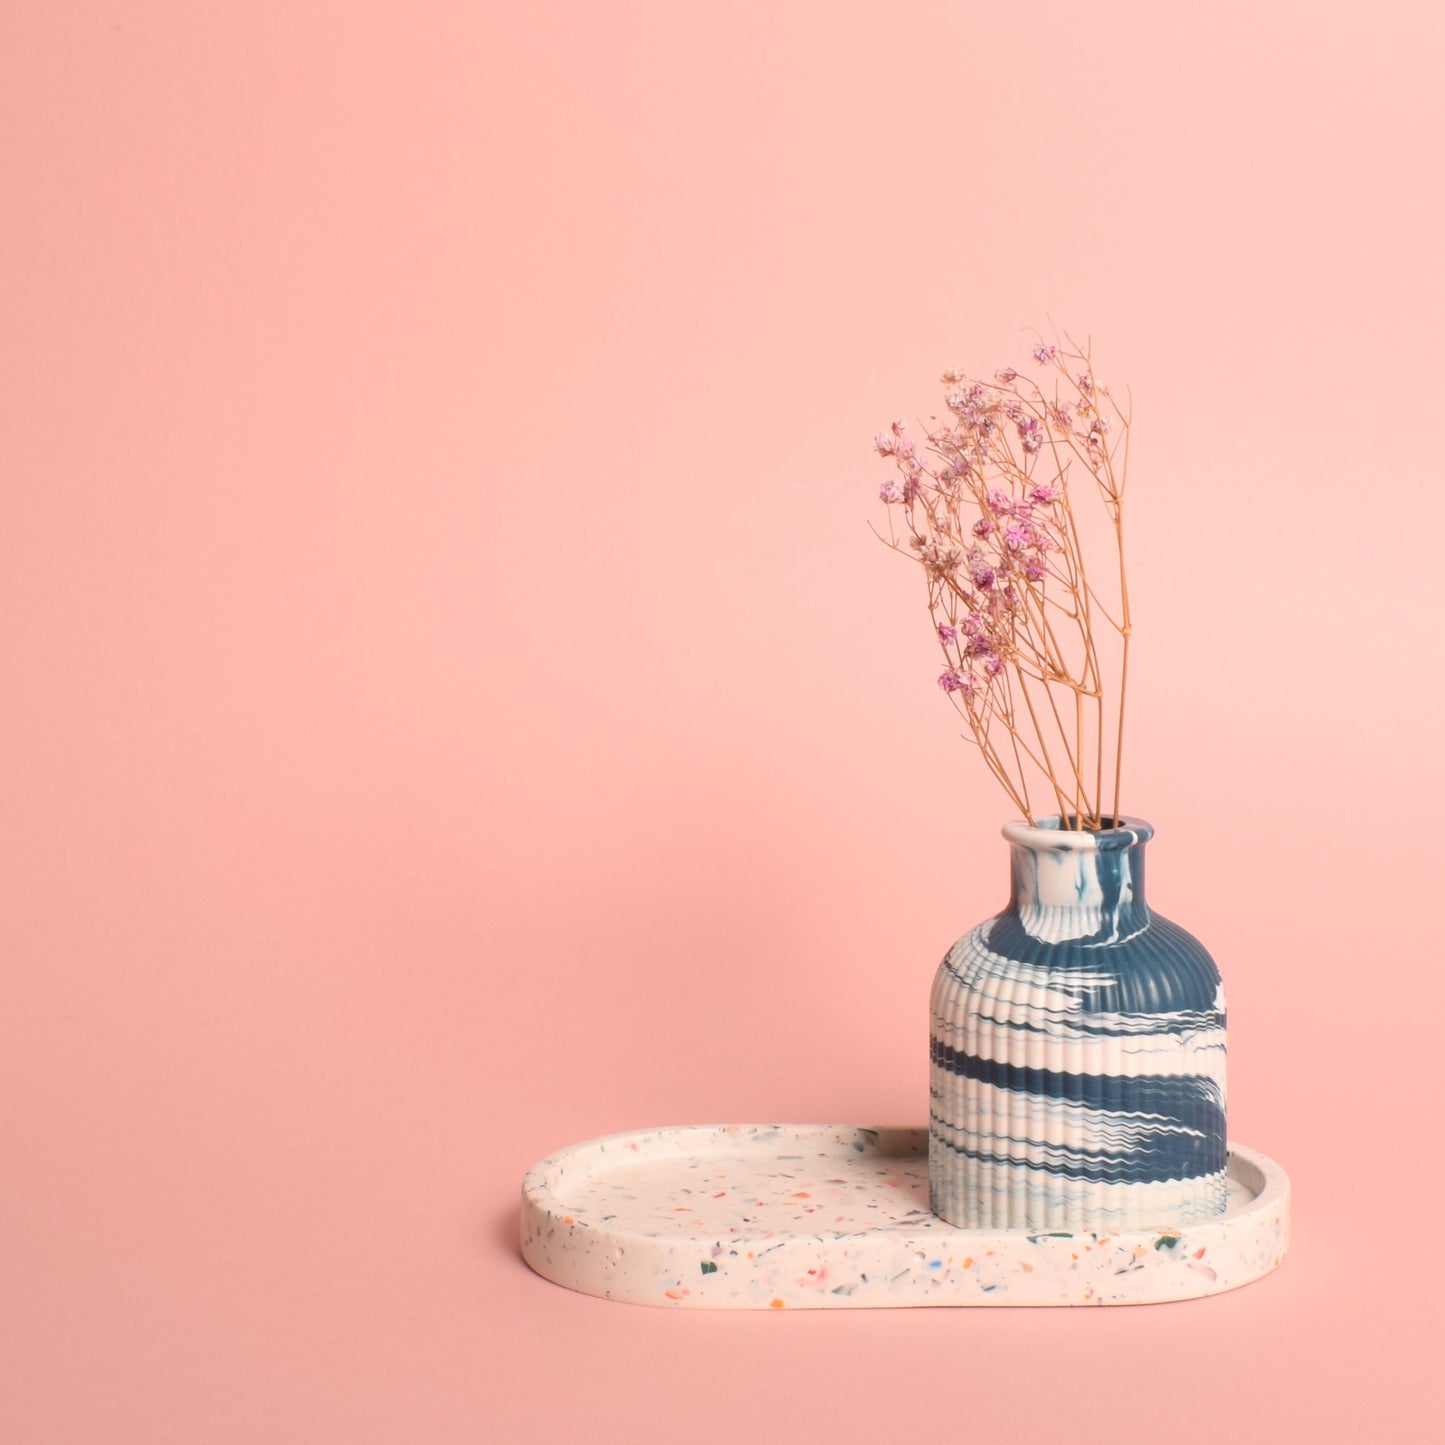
1078 1050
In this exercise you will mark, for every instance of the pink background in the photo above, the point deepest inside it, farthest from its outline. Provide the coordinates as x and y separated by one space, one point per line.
454 706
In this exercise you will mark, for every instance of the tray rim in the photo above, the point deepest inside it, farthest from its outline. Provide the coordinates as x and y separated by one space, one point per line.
538 1180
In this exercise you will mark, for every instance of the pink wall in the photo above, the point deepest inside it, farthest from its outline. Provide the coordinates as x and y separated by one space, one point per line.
454 705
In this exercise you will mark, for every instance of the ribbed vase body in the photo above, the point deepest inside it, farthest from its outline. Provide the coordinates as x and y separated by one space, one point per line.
1078 1049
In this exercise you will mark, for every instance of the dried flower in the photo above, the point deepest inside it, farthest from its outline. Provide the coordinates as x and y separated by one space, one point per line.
1030 633
941 557
979 569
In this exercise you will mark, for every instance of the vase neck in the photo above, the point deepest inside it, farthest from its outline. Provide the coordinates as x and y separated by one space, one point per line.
1088 887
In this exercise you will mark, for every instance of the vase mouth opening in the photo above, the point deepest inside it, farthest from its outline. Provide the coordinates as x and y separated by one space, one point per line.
1062 832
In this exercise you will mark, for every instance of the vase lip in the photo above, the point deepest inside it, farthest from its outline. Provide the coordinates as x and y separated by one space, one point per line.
1050 834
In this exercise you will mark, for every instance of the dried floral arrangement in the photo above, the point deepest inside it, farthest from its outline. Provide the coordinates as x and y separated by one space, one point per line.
1030 636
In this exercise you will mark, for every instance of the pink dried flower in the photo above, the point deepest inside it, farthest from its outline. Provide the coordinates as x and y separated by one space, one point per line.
1003 602
986 504
973 407
941 557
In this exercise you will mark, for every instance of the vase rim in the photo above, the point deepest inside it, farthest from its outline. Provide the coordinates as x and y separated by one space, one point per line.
1049 833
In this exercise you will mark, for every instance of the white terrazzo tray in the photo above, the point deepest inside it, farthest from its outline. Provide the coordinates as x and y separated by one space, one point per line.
814 1216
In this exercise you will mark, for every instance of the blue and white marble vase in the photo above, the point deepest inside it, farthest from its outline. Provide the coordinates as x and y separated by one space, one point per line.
1078 1047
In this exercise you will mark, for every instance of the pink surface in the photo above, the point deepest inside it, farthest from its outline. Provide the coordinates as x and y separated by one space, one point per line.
454 706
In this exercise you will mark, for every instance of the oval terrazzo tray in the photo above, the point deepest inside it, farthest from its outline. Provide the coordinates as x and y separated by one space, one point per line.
812 1216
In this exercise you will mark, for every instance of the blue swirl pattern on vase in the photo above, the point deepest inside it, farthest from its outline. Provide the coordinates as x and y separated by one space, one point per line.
1078 1050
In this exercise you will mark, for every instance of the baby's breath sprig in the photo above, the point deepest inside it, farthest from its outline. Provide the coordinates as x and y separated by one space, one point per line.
987 508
